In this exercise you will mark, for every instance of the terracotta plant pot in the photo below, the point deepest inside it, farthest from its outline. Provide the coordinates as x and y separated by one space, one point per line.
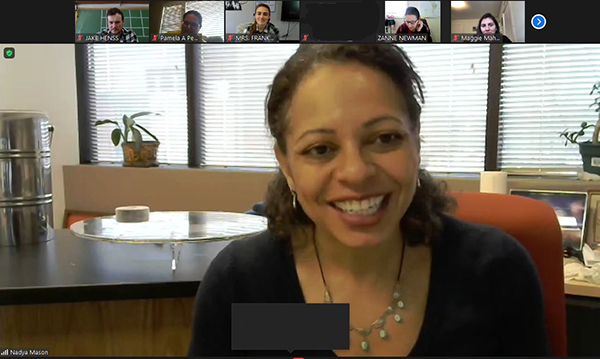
146 157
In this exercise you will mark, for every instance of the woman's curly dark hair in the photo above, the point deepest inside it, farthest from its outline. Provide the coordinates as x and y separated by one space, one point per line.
423 219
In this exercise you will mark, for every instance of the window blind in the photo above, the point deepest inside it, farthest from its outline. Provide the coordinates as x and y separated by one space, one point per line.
545 90
233 87
453 118
234 80
171 18
213 16
212 13
130 79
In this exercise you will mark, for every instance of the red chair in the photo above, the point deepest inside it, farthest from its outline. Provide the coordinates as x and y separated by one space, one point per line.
535 225
75 216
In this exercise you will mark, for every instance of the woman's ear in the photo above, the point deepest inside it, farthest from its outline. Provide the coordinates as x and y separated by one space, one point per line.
284 165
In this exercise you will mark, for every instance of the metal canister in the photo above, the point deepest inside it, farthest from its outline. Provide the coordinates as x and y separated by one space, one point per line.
26 215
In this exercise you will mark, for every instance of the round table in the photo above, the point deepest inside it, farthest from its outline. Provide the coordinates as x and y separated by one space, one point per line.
172 228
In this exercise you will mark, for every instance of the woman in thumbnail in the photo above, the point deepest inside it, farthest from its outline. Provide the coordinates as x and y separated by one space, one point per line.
413 24
262 24
488 25
353 218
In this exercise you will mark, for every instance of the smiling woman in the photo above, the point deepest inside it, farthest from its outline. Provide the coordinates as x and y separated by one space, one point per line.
353 219
262 24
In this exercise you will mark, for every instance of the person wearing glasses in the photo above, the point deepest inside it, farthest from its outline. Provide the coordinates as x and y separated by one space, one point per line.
488 25
262 24
190 25
413 24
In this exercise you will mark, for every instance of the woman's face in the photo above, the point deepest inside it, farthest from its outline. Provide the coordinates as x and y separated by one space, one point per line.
351 156
411 22
190 25
488 27
262 16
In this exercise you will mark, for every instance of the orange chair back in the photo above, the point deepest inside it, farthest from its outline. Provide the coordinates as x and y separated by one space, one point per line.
535 225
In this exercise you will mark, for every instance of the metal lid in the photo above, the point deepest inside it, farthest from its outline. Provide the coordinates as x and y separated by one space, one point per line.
24 131
21 114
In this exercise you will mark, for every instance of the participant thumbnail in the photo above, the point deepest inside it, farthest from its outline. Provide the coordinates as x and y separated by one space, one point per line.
488 21
416 21
109 21
187 21
262 21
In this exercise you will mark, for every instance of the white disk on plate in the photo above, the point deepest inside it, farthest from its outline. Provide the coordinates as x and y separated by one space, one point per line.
132 214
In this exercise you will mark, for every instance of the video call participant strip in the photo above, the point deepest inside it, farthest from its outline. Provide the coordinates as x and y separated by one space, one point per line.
296 22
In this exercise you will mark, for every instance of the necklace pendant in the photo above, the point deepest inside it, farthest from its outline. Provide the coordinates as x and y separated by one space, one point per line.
382 334
400 304
364 331
327 297
398 318
364 345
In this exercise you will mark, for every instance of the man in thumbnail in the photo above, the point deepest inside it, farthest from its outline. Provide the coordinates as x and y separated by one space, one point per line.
115 19
190 25
413 24
488 25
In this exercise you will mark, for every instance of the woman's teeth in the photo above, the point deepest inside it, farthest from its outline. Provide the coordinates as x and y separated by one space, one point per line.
365 207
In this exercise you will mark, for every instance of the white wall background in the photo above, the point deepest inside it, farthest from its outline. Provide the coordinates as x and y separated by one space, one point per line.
516 9
464 26
234 18
42 77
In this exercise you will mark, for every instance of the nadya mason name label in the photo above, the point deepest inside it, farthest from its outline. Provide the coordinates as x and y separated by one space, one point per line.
24 352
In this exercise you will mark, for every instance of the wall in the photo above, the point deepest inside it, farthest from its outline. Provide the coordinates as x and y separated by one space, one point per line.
464 26
92 189
435 28
517 10
42 77
234 18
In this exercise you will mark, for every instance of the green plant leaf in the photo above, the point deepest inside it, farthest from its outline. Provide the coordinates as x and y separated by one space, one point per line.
148 132
115 136
145 113
104 122
137 139
127 123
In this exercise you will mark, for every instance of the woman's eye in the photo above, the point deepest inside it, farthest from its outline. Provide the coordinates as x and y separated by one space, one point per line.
388 138
319 150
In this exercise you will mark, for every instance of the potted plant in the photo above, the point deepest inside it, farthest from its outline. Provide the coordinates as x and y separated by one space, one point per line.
590 149
137 152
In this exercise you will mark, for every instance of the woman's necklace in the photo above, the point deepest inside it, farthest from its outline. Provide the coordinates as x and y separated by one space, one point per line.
379 324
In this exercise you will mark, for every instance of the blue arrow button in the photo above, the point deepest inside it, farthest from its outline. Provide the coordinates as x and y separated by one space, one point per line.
538 21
